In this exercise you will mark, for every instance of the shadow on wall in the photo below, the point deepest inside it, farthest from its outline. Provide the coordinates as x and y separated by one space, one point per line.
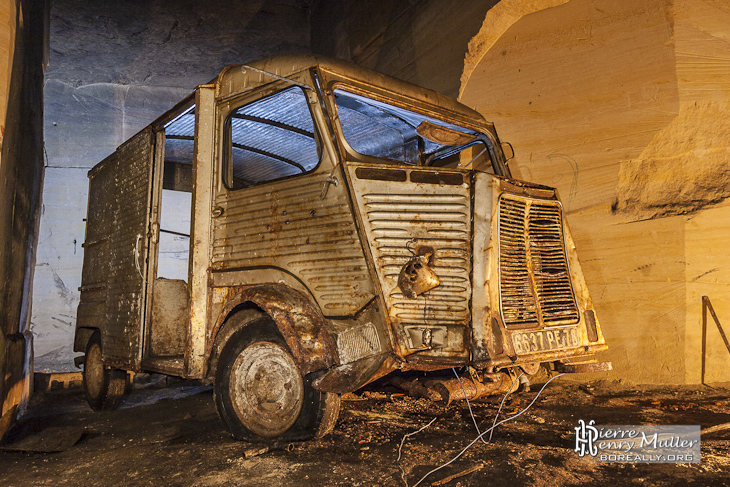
412 41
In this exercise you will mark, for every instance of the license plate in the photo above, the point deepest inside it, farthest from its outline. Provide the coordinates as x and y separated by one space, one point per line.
537 341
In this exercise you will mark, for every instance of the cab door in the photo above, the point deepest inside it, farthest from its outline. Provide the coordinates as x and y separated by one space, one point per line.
281 209
179 237
168 295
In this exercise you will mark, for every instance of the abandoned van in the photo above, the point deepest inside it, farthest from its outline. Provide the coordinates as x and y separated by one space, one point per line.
301 227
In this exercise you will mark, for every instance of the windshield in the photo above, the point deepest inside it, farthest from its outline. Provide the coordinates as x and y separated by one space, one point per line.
384 131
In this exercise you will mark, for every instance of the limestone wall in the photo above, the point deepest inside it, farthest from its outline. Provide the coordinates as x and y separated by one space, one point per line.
421 42
21 173
623 106
114 68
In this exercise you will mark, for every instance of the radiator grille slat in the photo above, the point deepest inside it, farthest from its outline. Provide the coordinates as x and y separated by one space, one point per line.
535 286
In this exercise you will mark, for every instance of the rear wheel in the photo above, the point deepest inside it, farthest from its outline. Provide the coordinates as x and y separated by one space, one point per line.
261 395
103 386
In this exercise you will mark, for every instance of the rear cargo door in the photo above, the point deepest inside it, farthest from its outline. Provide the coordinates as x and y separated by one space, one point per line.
116 249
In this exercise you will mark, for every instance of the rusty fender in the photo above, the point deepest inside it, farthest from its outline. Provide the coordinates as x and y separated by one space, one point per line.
299 322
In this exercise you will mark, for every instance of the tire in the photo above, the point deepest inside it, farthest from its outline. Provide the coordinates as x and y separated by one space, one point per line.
103 386
260 393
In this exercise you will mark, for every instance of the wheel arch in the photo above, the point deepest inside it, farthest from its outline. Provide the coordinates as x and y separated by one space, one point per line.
240 316
300 323
82 337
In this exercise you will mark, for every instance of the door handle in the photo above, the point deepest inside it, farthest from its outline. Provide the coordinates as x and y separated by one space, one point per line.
135 252
217 211
326 185
331 179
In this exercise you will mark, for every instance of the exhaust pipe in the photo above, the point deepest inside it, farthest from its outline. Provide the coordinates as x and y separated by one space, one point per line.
468 388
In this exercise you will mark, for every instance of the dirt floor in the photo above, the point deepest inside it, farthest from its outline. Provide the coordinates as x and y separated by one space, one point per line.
172 436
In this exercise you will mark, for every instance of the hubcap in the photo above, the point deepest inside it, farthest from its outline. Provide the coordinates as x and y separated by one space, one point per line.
266 389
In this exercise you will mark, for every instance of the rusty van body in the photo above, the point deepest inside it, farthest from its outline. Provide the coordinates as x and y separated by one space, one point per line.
300 227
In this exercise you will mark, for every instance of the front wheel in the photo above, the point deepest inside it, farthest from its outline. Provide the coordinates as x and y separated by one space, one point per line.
260 394
104 386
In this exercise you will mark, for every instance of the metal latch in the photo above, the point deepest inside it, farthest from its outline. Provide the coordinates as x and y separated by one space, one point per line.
154 232
326 185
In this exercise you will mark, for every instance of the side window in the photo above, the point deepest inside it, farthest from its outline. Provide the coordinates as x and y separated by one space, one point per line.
271 138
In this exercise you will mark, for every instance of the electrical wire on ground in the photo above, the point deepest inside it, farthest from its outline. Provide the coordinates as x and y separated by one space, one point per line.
458 455
474 420
501 405
403 472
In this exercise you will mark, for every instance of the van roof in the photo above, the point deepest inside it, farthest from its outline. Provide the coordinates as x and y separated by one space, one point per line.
231 79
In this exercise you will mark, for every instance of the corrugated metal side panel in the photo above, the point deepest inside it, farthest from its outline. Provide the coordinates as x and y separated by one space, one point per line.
403 215
287 225
118 212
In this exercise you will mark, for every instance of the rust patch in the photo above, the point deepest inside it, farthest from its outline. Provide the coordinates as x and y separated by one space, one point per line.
274 226
299 322
454 389
374 174
440 178
583 367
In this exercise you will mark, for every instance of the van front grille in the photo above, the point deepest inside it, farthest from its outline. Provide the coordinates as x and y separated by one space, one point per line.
535 286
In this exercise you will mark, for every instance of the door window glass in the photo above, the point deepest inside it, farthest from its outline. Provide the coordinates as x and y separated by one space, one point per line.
270 139
176 198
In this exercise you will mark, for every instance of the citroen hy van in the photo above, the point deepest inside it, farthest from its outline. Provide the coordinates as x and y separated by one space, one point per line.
300 227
